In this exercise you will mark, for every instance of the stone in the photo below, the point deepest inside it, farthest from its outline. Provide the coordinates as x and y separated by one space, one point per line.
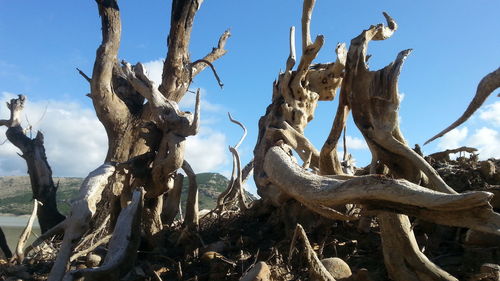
93 260
260 272
493 270
487 168
362 275
338 268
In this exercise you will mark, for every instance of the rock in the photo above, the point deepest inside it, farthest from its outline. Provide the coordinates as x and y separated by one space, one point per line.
481 239
493 270
338 268
362 275
487 169
93 260
260 272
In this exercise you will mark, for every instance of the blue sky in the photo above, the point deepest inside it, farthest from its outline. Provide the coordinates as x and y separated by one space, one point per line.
455 44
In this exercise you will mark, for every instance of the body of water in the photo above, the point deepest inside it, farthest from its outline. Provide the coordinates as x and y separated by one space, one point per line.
13 226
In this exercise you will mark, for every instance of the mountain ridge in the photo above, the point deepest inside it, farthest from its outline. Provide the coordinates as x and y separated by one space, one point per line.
16 195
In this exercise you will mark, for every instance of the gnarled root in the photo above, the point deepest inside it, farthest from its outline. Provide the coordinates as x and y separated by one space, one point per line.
75 226
486 86
402 257
382 192
234 192
122 246
317 270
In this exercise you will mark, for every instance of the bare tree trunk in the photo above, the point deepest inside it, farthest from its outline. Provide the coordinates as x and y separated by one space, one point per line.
4 246
33 152
135 128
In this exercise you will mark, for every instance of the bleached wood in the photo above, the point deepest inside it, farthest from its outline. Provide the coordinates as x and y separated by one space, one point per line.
82 211
123 246
317 270
192 208
40 173
19 254
401 195
486 86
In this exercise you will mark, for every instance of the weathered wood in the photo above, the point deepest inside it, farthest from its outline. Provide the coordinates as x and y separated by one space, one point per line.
295 96
19 254
123 246
82 211
118 94
40 173
486 86
317 270
192 210
380 192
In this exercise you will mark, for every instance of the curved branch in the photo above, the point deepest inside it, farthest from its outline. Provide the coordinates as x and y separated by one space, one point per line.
193 64
192 209
242 126
486 86
82 211
19 255
307 10
110 109
400 194
216 52
122 247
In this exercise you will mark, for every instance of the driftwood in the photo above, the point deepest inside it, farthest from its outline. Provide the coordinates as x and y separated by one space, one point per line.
295 96
123 246
486 86
119 94
317 270
33 152
234 194
77 223
445 155
192 209
19 254
374 100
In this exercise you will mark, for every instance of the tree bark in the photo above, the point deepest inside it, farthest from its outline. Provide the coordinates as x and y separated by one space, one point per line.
4 246
33 152
153 132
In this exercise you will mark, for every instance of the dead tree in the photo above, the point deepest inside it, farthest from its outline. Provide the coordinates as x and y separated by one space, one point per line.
143 121
33 152
319 183
4 246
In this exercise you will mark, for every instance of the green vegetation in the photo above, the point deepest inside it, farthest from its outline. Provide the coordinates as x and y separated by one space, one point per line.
16 196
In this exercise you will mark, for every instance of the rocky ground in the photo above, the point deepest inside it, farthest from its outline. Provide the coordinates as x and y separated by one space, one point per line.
256 244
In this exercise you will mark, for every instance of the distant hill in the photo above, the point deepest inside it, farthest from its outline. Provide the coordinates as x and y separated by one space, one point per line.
15 192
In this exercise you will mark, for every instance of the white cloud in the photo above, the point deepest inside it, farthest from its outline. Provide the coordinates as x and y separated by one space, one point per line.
491 113
453 138
487 142
355 143
75 141
207 151
154 70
